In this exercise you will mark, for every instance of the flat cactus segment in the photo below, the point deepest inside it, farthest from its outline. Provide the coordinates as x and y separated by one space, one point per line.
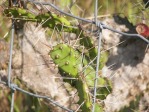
103 59
89 44
89 76
60 19
53 20
67 59
104 89
48 19
83 94
92 51
98 108
19 13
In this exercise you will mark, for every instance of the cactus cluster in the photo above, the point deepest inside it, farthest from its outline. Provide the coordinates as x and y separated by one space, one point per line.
47 19
71 63
69 60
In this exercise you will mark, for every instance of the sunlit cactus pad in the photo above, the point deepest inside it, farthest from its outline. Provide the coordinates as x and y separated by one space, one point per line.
67 59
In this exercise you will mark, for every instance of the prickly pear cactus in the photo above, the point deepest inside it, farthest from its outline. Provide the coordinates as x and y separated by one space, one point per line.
70 60
71 63
47 19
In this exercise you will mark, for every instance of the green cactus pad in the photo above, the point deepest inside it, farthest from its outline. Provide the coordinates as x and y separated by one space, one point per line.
84 96
19 13
89 45
103 59
47 19
67 59
52 20
98 108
